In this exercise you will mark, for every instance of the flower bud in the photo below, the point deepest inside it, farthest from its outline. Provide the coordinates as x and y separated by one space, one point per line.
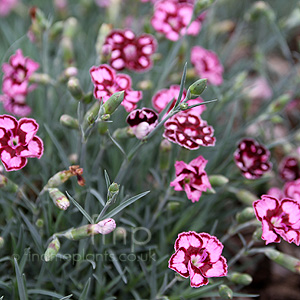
113 103
59 199
225 292
102 127
104 30
2 242
173 205
289 262
56 29
246 197
88 98
203 4
39 223
70 28
74 88
123 133
257 234
260 9
113 192
7 185
69 122
52 250
278 104
91 114
218 180
165 149
240 278
145 85
245 215
198 87
40 78
104 227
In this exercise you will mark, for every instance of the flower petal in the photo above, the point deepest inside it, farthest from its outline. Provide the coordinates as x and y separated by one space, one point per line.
8 122
217 269
197 279
188 239
262 206
10 161
34 148
268 234
178 263
26 130
213 246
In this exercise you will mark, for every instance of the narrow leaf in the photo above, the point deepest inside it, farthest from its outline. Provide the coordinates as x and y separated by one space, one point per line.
107 180
20 283
117 265
84 294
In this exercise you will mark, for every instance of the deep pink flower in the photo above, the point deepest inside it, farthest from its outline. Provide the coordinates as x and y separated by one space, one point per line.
107 82
280 218
17 73
252 159
292 190
172 18
198 256
189 131
142 121
15 105
128 51
162 98
207 65
18 142
289 169
6 6
191 178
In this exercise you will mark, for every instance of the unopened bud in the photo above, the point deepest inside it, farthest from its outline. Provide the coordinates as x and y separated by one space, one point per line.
113 103
67 51
102 127
246 197
104 30
74 88
105 227
69 122
245 215
257 234
2 242
39 223
123 133
240 278
59 199
56 29
105 117
113 192
225 292
164 155
52 250
40 78
88 98
289 262
145 85
198 87
173 205
260 9
183 106
91 114
70 28
278 104
203 4
7 185
218 180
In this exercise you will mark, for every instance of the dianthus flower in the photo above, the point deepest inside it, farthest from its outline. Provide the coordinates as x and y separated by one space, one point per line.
107 82
6 6
252 159
173 18
16 105
142 121
189 131
128 51
207 65
163 97
289 169
198 256
18 141
280 218
191 178
292 190
17 73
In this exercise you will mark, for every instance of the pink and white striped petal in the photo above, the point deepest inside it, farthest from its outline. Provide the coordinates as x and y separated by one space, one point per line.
197 279
178 263
10 161
27 129
188 239
34 148
217 269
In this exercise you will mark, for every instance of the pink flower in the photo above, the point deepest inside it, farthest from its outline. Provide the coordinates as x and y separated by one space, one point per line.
276 193
105 226
198 256
189 131
207 65
280 218
259 89
107 82
292 190
128 51
142 121
18 142
17 73
252 159
102 3
16 105
289 169
6 6
163 97
191 178
172 19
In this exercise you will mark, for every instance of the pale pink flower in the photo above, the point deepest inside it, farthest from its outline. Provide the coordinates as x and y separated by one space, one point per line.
198 256
280 218
252 158
289 169
105 226
107 82
6 6
102 3
207 65
17 73
191 178
142 121
189 131
292 190
18 141
163 97
173 18
128 51
16 105
258 89
276 193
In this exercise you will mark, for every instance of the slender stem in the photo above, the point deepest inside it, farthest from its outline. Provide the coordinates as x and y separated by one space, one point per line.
171 283
240 253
